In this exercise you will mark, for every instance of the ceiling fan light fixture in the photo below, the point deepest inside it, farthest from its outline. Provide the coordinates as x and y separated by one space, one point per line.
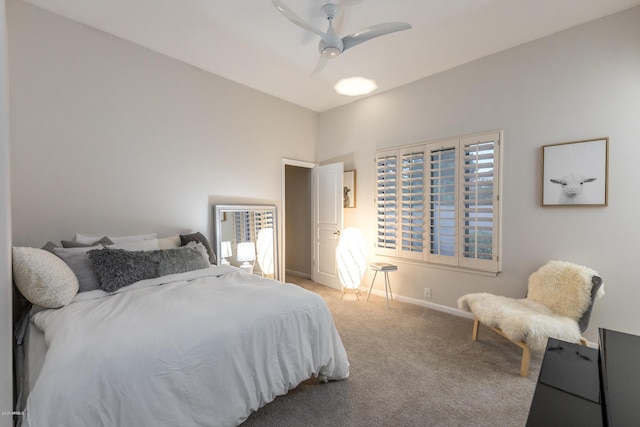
330 52
331 44
355 86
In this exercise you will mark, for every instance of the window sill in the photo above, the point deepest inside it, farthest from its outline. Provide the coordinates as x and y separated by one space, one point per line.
405 261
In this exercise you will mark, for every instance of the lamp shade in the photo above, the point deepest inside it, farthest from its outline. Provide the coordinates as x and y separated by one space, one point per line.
265 250
351 257
246 251
225 249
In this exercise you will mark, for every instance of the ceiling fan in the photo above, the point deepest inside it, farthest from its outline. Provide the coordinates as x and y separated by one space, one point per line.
331 45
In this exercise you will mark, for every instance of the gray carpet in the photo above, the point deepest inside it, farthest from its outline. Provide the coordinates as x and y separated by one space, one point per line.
410 366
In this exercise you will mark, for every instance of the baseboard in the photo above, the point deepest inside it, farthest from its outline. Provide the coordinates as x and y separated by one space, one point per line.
427 304
443 308
298 273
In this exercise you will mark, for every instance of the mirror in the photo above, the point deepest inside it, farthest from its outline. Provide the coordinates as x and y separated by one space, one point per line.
246 236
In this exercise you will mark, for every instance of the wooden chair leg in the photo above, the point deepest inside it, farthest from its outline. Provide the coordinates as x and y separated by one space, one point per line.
526 358
476 326
526 352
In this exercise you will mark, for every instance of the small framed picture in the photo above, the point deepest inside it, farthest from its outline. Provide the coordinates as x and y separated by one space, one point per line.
349 189
575 173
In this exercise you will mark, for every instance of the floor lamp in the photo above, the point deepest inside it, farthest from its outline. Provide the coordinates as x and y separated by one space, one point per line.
351 259
246 253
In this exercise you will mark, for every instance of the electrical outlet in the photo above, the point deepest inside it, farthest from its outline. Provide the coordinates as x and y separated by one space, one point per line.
427 293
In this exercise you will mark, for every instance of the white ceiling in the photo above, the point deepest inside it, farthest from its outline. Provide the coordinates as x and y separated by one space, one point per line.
250 42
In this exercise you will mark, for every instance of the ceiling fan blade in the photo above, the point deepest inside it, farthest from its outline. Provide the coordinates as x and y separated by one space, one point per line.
373 32
291 16
322 62
339 21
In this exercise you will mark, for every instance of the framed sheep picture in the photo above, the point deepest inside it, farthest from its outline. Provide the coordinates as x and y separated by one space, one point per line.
575 173
349 189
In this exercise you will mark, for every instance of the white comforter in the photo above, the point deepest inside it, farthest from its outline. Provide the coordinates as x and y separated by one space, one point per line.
204 348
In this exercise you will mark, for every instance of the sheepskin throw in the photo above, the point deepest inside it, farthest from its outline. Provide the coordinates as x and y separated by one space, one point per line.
558 294
563 287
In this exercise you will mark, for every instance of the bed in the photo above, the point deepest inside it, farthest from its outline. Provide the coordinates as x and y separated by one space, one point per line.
204 347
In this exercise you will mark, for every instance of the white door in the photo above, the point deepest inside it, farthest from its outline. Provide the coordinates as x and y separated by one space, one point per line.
327 222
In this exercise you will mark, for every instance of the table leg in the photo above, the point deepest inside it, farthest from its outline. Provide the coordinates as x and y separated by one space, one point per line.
372 282
387 288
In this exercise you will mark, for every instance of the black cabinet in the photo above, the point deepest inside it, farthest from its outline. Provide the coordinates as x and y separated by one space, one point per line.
620 367
568 390
582 386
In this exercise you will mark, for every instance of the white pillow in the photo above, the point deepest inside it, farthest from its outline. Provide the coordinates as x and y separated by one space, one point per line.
142 245
170 242
81 238
43 278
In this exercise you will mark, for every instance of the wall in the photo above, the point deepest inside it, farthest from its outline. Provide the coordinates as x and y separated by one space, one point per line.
112 138
581 83
298 227
6 349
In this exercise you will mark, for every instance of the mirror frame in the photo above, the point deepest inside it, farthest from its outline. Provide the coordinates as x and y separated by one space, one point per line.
219 212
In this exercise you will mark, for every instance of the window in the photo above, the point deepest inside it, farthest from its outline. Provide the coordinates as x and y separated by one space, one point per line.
412 204
386 168
438 202
442 204
248 224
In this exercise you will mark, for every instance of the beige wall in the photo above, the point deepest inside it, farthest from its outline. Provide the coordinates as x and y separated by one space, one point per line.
110 137
6 349
577 84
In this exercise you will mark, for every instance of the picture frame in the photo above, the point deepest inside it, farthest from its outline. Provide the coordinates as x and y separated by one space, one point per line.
349 189
576 173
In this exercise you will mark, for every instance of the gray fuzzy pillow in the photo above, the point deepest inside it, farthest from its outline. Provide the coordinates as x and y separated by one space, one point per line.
117 268
179 260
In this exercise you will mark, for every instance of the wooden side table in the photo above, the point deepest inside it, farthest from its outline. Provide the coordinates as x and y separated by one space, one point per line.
385 268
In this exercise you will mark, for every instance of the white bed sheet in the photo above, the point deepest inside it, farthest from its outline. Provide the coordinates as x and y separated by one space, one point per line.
35 349
203 348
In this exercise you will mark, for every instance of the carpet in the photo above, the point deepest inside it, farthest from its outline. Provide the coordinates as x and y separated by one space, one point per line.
410 366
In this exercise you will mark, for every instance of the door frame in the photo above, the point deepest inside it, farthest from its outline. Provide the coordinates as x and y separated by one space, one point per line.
288 162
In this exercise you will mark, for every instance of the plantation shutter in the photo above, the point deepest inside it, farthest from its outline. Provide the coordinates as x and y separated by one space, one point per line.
262 219
386 203
442 203
480 211
242 222
412 204
439 202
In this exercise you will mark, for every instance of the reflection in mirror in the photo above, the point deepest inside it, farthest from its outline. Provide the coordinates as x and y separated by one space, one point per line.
246 236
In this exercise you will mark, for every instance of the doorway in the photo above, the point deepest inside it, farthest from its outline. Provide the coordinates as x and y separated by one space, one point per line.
298 241
312 219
